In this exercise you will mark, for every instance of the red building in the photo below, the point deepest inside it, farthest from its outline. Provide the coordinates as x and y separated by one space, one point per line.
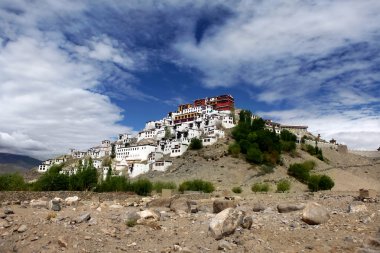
219 103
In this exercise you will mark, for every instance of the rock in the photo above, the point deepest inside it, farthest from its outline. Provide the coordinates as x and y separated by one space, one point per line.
224 245
160 202
72 201
54 205
315 214
373 243
357 207
286 208
193 208
38 203
225 222
22 229
62 242
247 222
258 207
2 215
7 210
180 204
115 206
221 204
4 223
132 216
82 218
364 250
148 216
186 250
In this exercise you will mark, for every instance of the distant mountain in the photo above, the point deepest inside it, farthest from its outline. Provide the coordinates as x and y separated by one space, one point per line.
13 163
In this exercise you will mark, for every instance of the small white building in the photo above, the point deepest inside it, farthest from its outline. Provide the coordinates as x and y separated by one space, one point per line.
161 165
178 149
137 169
154 156
135 152
209 140
148 134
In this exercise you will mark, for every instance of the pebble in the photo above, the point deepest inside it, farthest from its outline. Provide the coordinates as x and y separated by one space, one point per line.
22 228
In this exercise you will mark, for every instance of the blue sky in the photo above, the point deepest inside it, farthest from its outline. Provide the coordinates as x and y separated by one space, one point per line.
75 72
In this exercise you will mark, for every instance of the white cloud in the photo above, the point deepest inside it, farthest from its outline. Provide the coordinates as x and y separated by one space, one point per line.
46 103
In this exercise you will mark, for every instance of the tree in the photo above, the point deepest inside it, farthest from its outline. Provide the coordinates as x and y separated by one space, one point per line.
254 155
288 136
113 151
196 144
168 133
234 149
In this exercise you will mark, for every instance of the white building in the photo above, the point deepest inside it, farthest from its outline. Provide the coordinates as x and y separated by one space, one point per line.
210 140
135 152
137 169
161 165
178 149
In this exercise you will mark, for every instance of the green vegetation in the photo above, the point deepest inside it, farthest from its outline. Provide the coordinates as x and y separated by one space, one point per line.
115 184
258 144
320 183
196 144
234 149
142 187
283 185
113 151
131 223
196 185
12 182
237 189
260 187
159 185
265 169
301 171
314 151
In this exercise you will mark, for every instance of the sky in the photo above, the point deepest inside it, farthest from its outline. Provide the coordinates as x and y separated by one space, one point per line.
73 73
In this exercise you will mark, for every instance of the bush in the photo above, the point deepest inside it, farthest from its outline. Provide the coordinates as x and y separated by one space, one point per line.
158 186
265 169
283 185
196 144
320 183
301 171
288 146
12 182
234 149
142 187
114 184
326 183
288 136
260 187
237 189
254 155
196 185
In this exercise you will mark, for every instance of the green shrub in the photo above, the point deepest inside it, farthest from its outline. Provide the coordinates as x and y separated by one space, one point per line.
301 171
131 223
237 189
12 182
114 184
158 186
234 149
288 136
326 183
288 146
260 187
254 155
196 185
320 183
196 144
142 187
283 185
265 169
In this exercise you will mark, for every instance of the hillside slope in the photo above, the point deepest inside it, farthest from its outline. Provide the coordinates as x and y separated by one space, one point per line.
349 171
13 163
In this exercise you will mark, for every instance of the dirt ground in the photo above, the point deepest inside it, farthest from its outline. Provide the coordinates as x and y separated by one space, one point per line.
107 231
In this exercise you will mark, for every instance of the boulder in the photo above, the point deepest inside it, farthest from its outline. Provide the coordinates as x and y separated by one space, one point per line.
159 202
22 229
258 207
148 215
221 204
38 203
315 214
224 245
286 207
357 207
72 201
180 204
4 224
247 222
54 205
82 218
7 210
225 222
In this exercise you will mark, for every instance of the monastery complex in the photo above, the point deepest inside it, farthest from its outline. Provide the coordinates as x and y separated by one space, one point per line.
160 140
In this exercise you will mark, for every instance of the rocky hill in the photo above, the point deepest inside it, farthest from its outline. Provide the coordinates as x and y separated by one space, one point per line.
14 163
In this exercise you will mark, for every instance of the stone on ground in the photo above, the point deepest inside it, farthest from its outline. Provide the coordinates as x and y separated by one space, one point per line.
225 223
315 214
221 204
286 207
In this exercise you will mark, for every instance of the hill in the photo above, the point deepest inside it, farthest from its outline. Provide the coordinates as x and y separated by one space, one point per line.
13 163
